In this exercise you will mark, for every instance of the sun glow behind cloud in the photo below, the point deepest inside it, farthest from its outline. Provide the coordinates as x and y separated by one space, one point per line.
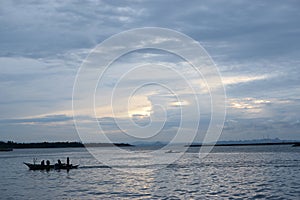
139 105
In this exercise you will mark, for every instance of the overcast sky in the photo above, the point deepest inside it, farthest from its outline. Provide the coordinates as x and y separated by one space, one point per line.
255 45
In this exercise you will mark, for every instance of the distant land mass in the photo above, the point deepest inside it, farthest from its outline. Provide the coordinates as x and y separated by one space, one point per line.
267 141
275 141
146 143
14 145
7 146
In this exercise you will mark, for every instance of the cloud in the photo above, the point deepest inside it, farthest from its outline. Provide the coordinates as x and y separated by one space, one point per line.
60 26
48 119
259 118
241 79
260 128
29 87
255 45
55 27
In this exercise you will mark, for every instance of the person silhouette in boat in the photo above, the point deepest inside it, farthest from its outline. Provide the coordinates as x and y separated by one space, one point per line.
43 163
47 165
58 165
68 161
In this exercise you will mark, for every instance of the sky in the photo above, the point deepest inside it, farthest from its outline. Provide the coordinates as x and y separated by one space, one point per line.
254 44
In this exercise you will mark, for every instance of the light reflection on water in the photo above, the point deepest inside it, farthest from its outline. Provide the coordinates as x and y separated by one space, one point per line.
237 172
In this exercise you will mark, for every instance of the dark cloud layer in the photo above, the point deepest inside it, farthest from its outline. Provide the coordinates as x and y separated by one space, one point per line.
44 119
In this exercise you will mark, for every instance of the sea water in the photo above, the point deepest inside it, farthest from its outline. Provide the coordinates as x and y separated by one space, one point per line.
239 172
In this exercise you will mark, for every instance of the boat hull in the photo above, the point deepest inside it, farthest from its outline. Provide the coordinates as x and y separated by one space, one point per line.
49 167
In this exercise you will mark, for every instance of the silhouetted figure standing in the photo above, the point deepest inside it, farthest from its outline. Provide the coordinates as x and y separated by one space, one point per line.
43 163
59 162
47 165
68 164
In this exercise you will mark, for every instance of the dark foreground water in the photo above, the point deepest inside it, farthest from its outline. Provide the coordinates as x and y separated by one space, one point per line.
267 172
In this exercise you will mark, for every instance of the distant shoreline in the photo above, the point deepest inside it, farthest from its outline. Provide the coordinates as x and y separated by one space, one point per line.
14 145
5 146
245 144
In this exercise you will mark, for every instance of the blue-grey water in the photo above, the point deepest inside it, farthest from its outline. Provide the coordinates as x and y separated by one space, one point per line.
252 172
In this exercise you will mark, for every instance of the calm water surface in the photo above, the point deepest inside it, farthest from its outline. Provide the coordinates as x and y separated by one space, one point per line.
266 172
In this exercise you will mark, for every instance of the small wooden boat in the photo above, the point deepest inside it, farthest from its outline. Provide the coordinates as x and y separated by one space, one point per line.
49 167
